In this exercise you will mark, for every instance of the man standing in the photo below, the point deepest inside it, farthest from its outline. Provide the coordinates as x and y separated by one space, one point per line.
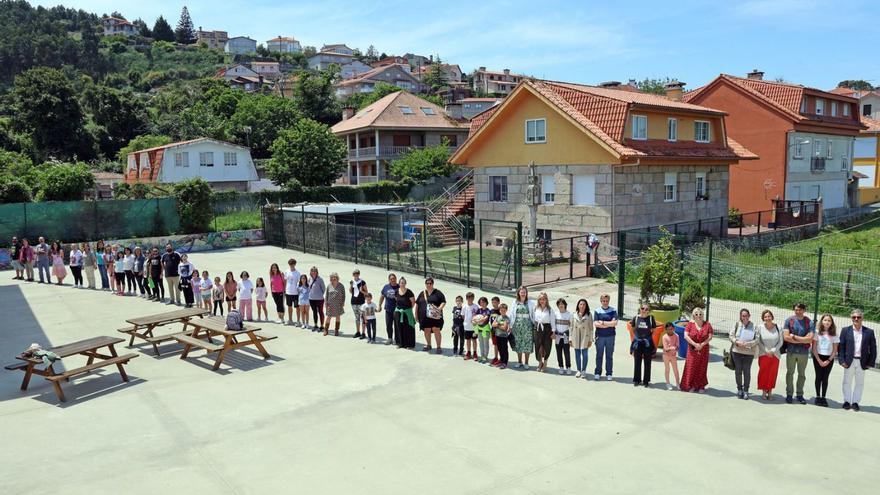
291 293
42 252
14 253
605 321
857 352
388 302
170 265
358 290
798 333
26 258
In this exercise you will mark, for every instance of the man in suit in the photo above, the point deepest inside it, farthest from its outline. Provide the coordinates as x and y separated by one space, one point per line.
857 352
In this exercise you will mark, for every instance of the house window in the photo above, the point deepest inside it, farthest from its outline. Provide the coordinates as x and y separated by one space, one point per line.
846 109
639 127
817 147
700 185
583 190
820 106
804 104
206 159
548 189
828 153
498 188
867 110
544 234
230 158
672 130
405 110
670 187
701 131
798 149
181 159
834 109
427 110
536 131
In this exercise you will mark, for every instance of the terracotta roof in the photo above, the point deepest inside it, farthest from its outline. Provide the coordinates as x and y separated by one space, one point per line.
843 91
873 126
281 38
858 175
603 113
371 74
386 113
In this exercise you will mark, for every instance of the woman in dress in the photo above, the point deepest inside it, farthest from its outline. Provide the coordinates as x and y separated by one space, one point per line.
545 327
522 315
56 253
769 343
698 334
430 304
404 320
334 300
581 336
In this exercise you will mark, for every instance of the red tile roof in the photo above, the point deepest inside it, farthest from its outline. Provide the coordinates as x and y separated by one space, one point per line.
873 126
480 119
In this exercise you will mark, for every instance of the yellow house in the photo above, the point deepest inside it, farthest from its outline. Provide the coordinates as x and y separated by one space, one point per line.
608 159
866 161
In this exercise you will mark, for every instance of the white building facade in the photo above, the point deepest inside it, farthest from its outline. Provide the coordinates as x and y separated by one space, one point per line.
224 165
819 166
240 45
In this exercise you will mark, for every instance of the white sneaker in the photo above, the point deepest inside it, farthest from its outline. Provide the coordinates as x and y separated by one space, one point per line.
578 374
561 371
669 386
567 371
608 378
597 377
526 367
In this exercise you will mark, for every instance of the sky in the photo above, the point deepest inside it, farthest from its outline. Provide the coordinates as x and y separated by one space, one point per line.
811 42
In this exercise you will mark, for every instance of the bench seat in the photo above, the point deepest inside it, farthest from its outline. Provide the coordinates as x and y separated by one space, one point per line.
89 367
16 366
170 336
192 341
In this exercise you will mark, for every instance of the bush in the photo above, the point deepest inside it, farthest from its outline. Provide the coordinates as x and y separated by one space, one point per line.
423 164
13 190
661 273
65 182
194 205
386 191
734 218
692 296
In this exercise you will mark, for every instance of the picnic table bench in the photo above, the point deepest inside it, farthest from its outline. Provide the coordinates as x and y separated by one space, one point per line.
144 326
232 339
88 348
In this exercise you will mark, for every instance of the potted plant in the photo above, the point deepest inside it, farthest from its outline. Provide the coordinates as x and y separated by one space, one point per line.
660 277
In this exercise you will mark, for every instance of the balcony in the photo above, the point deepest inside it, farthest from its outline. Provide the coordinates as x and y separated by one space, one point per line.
385 152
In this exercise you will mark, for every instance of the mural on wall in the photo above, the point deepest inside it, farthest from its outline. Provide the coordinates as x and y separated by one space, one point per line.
191 243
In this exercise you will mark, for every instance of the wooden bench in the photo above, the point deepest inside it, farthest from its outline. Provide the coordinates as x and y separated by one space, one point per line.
232 339
16 366
143 327
194 342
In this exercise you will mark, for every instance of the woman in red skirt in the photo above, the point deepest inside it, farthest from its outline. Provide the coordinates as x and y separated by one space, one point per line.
698 334
769 341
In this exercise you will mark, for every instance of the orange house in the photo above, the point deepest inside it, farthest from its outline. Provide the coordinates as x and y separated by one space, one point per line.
803 137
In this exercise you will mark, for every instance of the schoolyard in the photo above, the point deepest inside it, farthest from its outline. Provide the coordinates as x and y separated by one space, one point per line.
336 415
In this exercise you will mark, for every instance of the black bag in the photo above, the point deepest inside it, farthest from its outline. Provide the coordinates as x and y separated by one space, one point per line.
511 339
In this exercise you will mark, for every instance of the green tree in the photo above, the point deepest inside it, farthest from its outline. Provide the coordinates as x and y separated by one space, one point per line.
14 190
315 97
422 164
162 30
856 84
653 86
308 153
194 204
142 142
118 115
258 119
142 28
434 77
661 274
185 33
45 108
64 182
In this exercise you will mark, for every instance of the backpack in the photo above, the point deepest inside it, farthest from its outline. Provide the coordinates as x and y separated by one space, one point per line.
234 320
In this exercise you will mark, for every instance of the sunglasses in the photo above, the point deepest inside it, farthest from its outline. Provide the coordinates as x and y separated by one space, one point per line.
856 317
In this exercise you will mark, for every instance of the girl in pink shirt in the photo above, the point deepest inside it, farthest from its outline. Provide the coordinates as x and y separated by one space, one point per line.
276 287
670 354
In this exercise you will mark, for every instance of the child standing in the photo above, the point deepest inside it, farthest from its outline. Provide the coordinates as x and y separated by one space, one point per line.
302 291
196 282
501 325
230 286
458 326
562 336
368 311
483 329
260 293
119 272
217 296
468 313
493 313
670 353
245 293
206 289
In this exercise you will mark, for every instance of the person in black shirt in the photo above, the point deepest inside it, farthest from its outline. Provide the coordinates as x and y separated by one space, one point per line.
357 288
170 264
387 302
430 313
642 349
19 268
458 327
154 266
404 320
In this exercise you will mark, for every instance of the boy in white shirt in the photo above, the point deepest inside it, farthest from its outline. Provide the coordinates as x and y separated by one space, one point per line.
368 313
291 292
468 312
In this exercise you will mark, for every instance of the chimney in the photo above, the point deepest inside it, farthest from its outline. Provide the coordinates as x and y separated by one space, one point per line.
610 84
347 113
674 90
633 83
506 72
756 75
482 69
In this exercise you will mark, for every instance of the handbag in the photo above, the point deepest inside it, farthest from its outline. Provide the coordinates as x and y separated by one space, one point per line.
431 311
728 354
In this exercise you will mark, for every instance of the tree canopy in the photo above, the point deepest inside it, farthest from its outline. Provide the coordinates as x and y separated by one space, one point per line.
162 30
422 164
654 86
856 84
185 33
308 153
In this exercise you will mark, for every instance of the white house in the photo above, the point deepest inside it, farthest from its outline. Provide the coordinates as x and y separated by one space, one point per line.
240 45
237 70
350 67
284 44
224 165
114 25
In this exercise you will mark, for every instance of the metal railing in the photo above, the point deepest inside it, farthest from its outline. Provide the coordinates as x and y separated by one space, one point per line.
437 207
387 151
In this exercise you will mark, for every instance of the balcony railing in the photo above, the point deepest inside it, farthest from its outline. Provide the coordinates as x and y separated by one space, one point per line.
369 152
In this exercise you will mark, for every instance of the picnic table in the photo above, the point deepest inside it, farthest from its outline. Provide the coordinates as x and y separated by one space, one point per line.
232 339
144 326
88 348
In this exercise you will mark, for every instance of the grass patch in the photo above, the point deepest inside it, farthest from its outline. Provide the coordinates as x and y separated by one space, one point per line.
237 220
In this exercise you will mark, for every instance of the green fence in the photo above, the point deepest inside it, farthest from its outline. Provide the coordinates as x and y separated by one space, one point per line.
75 221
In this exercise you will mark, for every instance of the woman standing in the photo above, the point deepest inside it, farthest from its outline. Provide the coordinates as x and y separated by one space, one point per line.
562 336
545 327
642 348
316 297
57 255
102 264
522 317
769 344
745 347
430 304
335 302
89 263
698 334
276 286
76 266
139 262
824 353
109 264
404 320
185 271
128 261
154 265
581 336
